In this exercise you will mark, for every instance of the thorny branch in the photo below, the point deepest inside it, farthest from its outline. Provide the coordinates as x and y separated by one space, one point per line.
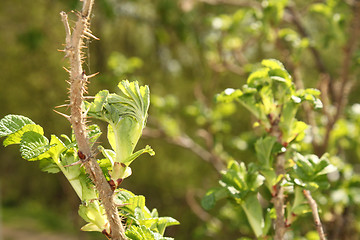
315 213
78 80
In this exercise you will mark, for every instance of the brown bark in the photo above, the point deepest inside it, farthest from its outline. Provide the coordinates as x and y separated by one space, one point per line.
78 80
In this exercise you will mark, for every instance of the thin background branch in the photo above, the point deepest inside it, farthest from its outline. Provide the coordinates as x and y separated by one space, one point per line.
315 213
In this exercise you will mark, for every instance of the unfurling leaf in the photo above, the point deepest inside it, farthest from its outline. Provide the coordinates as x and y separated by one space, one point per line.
126 114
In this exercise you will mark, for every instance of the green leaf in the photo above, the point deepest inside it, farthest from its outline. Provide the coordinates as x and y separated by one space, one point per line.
239 181
253 211
120 171
98 105
94 133
160 224
258 78
143 233
91 227
310 95
311 172
93 213
270 177
272 64
229 95
57 147
263 149
135 155
300 205
32 145
212 196
268 222
109 154
15 138
13 123
126 114
48 165
50 162
297 129
135 205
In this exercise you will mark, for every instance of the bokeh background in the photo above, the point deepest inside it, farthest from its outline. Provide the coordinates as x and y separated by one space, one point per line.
186 51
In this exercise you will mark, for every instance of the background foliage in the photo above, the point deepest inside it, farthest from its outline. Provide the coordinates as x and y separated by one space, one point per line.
187 51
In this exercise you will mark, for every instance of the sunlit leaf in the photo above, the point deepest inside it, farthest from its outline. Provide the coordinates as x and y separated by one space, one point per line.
13 123
15 138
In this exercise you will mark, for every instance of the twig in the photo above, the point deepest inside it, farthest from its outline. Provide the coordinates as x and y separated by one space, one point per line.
196 208
185 141
295 19
78 80
315 213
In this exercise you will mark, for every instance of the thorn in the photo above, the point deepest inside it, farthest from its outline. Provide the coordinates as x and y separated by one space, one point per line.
75 163
89 97
86 111
64 105
77 13
61 50
92 75
66 69
63 114
122 205
91 35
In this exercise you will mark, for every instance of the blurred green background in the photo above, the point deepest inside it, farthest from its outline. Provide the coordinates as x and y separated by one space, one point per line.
186 51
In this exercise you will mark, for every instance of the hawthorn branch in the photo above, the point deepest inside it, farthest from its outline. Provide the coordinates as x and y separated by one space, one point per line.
78 80
315 213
